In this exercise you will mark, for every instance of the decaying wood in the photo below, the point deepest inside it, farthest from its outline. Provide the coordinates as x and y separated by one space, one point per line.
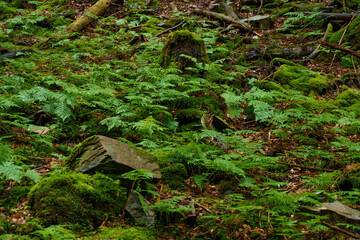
336 228
88 16
335 16
222 17
339 47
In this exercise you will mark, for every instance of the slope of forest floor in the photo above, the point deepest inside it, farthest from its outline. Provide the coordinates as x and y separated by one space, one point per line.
285 127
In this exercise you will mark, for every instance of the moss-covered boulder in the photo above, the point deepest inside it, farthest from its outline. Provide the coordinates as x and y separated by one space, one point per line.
301 78
348 98
352 34
180 43
74 198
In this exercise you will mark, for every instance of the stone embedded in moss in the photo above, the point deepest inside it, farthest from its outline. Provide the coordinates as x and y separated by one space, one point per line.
183 42
175 175
301 78
75 198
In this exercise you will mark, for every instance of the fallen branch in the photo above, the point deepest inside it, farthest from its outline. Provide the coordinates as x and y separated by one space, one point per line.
339 47
169 29
335 16
89 15
221 17
336 228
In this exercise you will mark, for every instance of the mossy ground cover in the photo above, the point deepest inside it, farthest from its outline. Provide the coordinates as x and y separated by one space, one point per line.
291 126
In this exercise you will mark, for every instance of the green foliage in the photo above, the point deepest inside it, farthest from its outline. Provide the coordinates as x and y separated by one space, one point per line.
54 232
10 171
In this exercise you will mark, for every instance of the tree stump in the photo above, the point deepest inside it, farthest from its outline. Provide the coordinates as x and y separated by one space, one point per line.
181 43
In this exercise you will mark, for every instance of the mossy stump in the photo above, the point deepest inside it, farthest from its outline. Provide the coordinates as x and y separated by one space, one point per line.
181 43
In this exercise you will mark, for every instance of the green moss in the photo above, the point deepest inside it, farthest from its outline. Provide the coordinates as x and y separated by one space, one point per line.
73 160
76 198
133 233
347 98
269 85
183 42
314 104
174 175
189 115
300 78
352 34
151 26
281 61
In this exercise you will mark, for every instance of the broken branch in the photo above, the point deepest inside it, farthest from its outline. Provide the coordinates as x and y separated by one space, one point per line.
339 47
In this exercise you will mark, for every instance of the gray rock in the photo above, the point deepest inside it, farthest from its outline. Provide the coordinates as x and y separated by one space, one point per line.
134 207
338 213
110 156
258 21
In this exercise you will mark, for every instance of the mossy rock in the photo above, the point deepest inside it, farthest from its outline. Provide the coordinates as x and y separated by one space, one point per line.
74 198
301 78
352 34
183 42
348 98
175 175
269 85
110 156
189 115
133 233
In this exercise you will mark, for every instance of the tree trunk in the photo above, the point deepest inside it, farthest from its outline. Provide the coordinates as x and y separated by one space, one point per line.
88 16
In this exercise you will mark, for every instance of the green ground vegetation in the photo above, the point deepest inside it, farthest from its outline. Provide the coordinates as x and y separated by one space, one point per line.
291 132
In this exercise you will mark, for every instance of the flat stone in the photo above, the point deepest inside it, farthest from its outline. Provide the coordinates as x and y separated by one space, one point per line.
258 21
110 156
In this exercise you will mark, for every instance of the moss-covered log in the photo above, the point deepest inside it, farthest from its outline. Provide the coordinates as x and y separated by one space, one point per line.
82 21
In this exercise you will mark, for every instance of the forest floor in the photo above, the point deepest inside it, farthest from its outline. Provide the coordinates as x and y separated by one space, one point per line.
291 137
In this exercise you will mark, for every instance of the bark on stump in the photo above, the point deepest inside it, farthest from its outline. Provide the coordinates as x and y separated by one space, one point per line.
180 43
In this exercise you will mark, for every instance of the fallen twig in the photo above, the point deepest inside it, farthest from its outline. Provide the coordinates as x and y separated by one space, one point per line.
169 29
222 17
341 48
336 228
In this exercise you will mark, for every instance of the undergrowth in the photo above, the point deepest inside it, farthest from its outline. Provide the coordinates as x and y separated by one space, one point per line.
110 82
